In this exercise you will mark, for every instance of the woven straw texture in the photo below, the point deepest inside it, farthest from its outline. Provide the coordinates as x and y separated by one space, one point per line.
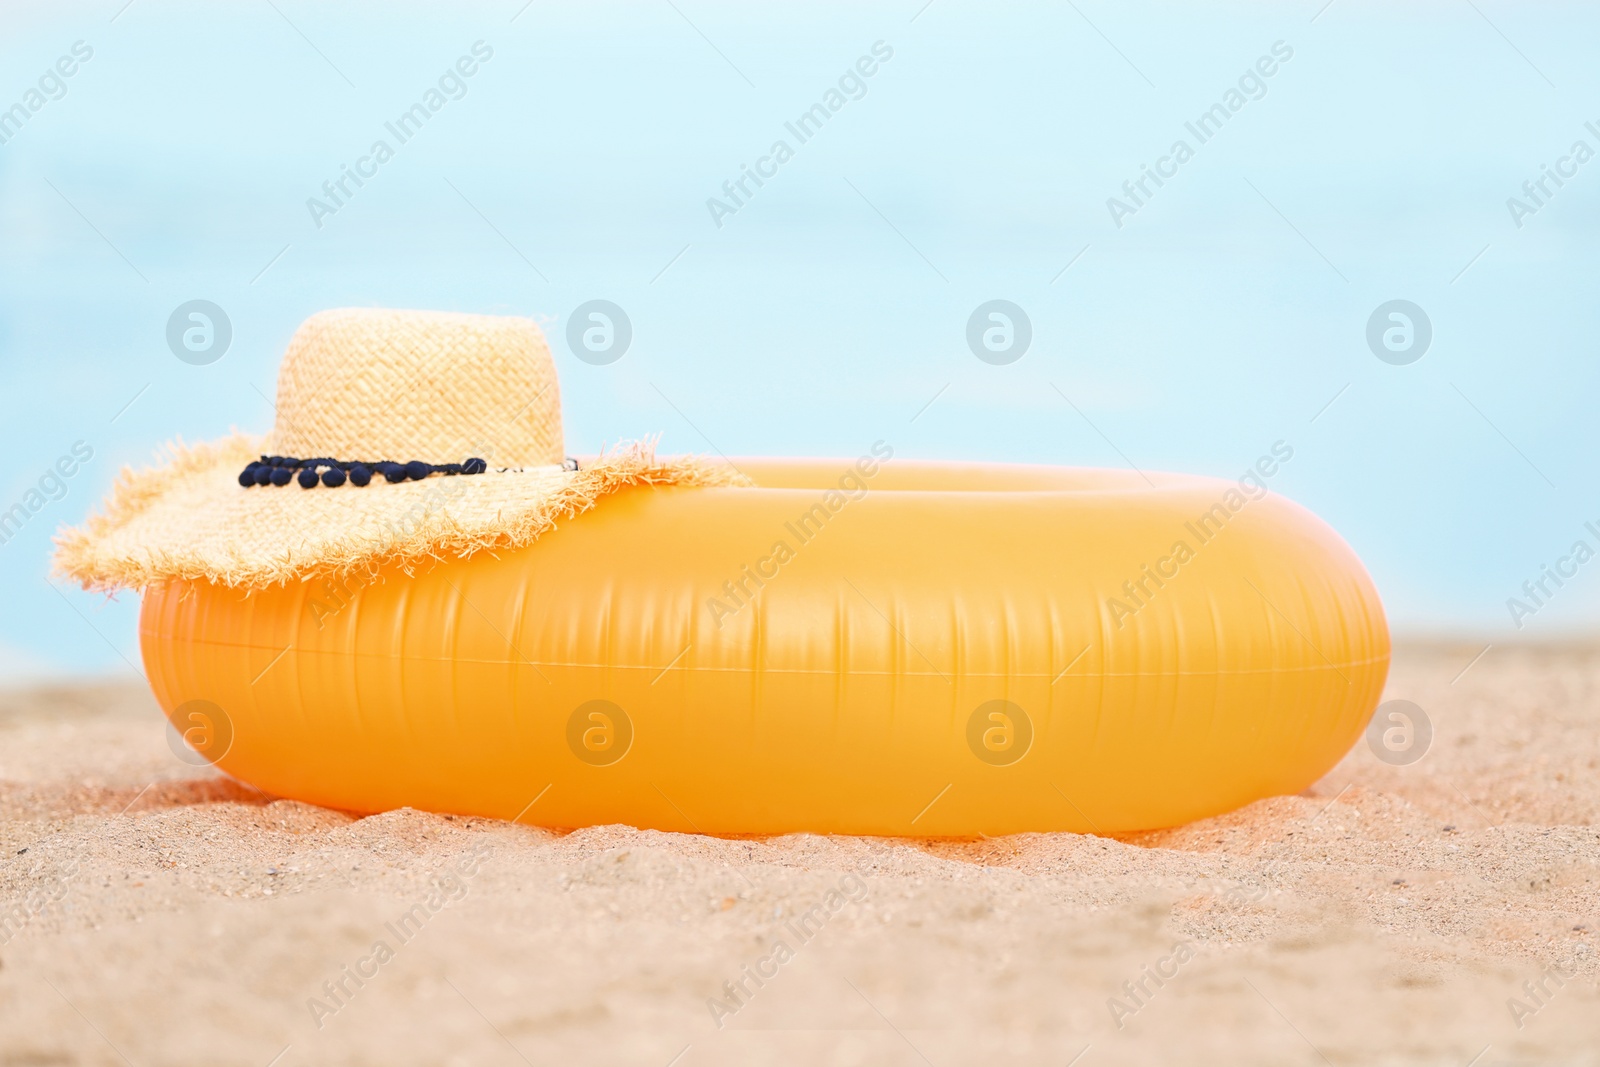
359 383
369 385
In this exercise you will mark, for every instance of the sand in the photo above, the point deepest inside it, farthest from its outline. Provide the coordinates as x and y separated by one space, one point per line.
1443 912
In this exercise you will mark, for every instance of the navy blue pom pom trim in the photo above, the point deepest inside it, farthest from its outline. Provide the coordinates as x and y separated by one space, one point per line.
280 470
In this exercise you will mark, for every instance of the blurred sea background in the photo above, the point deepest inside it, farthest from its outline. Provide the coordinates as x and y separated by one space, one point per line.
1229 312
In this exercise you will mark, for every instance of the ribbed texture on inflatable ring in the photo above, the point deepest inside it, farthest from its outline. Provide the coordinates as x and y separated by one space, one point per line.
929 649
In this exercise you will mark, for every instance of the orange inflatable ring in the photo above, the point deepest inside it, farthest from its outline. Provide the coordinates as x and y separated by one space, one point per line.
900 648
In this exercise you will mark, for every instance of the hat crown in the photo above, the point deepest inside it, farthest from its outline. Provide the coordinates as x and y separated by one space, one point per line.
374 384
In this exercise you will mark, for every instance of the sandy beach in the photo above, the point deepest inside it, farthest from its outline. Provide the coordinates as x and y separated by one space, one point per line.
1443 912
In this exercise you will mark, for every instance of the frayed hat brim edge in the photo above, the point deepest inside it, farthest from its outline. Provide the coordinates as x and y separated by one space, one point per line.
82 556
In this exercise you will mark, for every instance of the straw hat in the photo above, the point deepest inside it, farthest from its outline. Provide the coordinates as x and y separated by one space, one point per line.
400 436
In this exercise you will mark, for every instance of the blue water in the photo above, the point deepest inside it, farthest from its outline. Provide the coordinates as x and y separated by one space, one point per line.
828 306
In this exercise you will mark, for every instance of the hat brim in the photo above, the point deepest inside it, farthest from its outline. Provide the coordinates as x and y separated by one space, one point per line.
189 519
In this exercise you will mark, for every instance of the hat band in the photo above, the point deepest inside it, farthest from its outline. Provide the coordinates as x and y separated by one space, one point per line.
278 470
